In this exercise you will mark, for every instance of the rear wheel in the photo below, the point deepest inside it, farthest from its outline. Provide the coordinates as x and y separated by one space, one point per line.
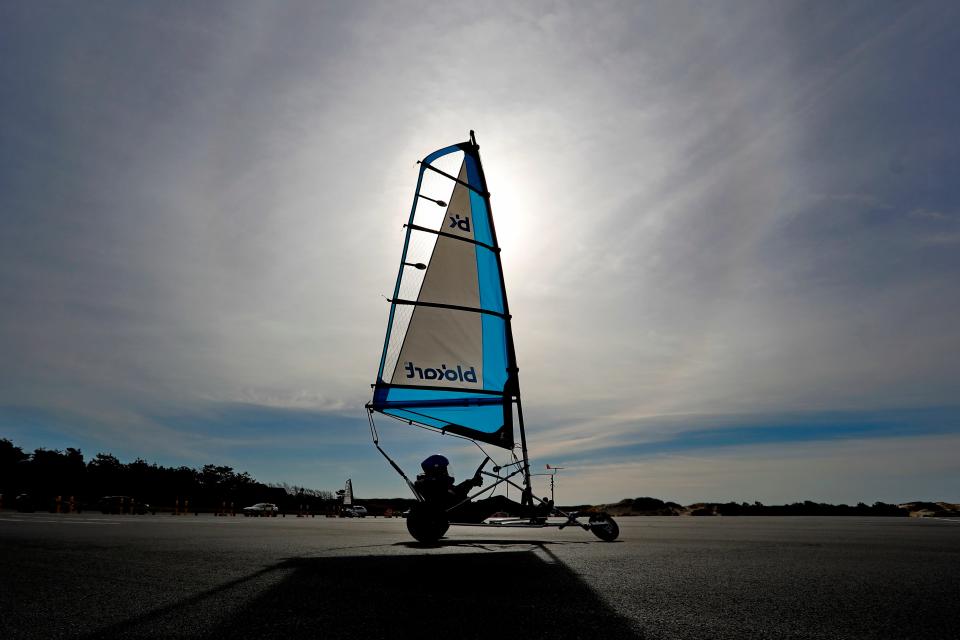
427 524
604 527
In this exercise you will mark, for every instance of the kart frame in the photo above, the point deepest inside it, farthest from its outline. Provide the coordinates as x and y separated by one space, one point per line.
437 520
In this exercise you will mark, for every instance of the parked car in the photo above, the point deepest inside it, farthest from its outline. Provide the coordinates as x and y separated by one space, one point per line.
24 503
497 517
261 509
355 511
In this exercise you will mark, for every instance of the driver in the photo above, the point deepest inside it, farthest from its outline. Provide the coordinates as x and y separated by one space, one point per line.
436 485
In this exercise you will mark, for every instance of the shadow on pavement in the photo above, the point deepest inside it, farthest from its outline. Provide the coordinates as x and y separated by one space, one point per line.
452 595
483 544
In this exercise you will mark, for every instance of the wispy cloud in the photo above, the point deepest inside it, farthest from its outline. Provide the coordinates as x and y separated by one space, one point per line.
745 210
868 470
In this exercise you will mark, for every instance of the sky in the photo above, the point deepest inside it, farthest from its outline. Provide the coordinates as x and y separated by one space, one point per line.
730 232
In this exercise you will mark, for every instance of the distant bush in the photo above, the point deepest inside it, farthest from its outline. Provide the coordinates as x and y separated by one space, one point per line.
647 504
656 507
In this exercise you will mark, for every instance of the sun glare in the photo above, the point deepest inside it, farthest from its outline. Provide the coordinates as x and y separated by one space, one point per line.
512 215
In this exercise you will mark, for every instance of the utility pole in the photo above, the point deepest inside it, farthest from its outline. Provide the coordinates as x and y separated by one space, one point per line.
552 476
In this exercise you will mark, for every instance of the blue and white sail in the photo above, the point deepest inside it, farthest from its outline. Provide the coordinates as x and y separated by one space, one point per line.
448 360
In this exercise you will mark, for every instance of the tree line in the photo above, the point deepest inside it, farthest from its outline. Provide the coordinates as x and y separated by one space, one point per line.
655 506
45 474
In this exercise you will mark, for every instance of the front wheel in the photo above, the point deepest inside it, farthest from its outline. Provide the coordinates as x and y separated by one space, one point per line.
427 524
604 527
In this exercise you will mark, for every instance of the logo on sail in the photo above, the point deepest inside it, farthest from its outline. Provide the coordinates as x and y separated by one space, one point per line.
442 373
456 222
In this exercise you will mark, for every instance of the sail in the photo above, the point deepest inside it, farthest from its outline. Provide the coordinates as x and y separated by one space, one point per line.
448 361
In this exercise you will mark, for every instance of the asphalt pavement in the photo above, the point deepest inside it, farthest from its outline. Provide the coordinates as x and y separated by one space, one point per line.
98 576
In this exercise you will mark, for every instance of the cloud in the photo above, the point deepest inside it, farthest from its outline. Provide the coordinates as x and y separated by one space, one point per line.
867 470
743 210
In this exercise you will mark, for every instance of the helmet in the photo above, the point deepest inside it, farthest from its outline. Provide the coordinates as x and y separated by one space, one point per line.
435 463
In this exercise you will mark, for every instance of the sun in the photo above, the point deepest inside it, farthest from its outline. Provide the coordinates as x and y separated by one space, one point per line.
511 209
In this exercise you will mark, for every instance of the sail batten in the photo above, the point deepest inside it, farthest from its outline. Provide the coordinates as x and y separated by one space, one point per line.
454 307
457 180
450 235
448 357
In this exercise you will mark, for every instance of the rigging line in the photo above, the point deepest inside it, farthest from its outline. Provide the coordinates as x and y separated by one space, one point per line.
440 429
417 227
455 307
430 429
485 194
482 450
376 443
496 467
373 427
492 459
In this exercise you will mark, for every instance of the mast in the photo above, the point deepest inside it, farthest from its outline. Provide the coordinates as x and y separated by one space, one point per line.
513 380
